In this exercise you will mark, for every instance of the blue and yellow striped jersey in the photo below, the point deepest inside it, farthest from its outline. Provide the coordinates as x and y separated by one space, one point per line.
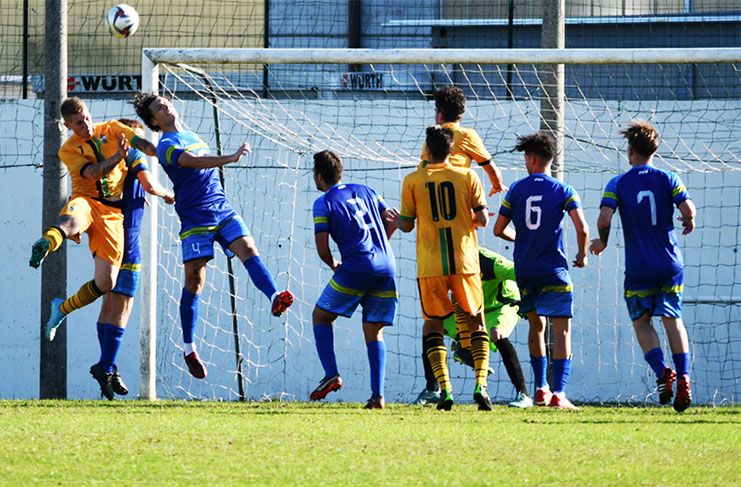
645 197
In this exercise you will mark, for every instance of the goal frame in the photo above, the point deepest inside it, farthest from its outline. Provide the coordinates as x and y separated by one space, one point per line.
152 57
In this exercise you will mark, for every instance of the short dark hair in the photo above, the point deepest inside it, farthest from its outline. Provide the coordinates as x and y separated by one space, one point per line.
450 102
72 106
539 143
130 122
642 137
329 165
141 106
439 143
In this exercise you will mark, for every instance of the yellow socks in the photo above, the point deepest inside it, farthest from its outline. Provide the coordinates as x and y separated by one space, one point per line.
480 353
88 293
438 355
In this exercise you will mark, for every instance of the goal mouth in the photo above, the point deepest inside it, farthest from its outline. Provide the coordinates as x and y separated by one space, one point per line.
371 107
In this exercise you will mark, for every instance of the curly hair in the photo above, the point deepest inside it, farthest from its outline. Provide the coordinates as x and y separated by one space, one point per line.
141 106
450 102
642 137
538 143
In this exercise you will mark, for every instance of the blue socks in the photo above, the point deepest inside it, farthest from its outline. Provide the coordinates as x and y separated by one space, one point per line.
377 361
682 363
324 338
260 276
561 371
112 336
188 314
101 330
655 358
539 365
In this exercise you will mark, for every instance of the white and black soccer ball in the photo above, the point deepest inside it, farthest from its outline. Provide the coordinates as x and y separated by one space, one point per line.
122 20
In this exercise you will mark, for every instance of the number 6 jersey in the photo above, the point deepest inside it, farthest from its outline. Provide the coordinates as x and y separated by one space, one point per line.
442 198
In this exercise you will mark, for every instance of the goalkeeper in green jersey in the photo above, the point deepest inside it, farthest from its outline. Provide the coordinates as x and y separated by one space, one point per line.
501 298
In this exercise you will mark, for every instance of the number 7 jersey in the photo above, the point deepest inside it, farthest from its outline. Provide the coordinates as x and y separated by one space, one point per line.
646 197
442 197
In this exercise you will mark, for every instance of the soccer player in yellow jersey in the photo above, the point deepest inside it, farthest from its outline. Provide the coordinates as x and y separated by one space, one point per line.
450 105
95 157
448 203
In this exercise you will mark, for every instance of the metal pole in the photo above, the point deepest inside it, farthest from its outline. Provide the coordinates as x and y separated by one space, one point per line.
53 357
510 45
354 29
552 80
25 50
149 289
266 45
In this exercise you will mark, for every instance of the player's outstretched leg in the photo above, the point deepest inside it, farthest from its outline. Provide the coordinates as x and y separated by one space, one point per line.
55 319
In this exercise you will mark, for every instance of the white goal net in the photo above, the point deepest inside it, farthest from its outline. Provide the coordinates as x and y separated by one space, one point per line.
372 111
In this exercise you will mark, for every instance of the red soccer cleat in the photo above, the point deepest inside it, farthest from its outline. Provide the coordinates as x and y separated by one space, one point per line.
327 385
282 302
543 396
664 385
195 366
559 401
376 402
684 394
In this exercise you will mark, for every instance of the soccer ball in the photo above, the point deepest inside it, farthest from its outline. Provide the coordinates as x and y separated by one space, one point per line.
122 20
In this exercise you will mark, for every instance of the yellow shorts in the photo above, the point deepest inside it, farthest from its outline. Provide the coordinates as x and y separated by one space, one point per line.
103 225
433 293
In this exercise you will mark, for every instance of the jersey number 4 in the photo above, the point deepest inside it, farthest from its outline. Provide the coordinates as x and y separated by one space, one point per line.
442 200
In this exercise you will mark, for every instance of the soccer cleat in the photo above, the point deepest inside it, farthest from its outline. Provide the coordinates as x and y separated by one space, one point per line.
196 367
39 251
104 380
543 396
684 394
664 385
376 402
282 302
426 397
481 396
446 400
117 384
327 385
521 401
559 401
463 356
55 319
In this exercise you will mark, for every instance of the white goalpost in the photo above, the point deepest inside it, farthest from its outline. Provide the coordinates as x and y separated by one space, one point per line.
371 108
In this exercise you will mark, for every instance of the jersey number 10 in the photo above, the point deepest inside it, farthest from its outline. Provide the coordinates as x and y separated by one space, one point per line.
442 200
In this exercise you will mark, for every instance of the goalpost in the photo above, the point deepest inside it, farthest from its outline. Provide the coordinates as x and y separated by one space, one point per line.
371 107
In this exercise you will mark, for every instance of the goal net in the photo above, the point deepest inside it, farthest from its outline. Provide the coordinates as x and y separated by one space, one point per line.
371 108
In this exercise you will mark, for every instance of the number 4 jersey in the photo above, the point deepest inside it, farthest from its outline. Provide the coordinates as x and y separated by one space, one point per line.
646 197
441 197
352 214
536 205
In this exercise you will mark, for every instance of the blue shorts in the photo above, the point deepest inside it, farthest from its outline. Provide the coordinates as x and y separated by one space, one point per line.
347 289
659 297
552 297
198 235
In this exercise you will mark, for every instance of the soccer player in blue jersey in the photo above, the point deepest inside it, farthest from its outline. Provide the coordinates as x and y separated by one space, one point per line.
645 197
536 206
360 223
117 304
205 216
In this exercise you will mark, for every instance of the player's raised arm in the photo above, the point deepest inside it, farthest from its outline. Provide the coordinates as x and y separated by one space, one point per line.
598 245
188 159
94 172
582 236
153 187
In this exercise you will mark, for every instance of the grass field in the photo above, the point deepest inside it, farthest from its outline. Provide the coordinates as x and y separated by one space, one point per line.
219 444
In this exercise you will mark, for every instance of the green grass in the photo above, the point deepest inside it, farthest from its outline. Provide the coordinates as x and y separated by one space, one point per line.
125 443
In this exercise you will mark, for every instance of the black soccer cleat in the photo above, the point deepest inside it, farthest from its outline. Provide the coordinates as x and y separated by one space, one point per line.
117 383
104 380
481 396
